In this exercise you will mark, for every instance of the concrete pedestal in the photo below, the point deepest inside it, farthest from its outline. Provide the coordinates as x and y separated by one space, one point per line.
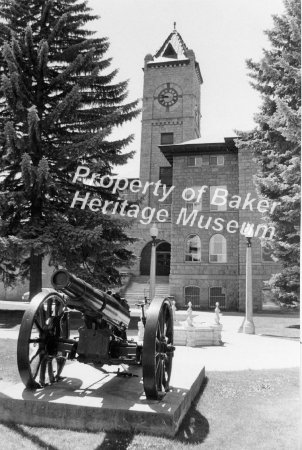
198 335
88 399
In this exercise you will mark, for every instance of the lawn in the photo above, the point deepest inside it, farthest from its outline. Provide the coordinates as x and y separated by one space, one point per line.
286 326
244 410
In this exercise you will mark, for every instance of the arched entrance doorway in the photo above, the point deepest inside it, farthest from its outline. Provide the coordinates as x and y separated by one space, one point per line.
163 257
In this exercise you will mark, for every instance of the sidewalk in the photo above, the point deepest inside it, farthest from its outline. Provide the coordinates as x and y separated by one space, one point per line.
239 351
245 351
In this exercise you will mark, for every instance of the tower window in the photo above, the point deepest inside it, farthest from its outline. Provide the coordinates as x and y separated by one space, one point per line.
165 175
166 138
170 52
218 249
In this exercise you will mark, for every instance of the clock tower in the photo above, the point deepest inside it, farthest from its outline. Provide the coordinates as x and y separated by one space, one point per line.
171 115
171 107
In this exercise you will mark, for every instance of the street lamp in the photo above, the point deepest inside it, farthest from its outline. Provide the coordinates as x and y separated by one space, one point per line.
248 324
153 234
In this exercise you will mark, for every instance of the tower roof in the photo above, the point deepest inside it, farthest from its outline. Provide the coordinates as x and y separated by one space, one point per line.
173 51
174 47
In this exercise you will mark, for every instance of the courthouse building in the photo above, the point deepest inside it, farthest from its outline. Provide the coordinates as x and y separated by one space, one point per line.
203 260
200 252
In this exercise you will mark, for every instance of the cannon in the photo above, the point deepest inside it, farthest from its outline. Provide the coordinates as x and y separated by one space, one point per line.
44 341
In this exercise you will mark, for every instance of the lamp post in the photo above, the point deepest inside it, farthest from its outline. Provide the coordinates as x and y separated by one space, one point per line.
153 234
248 324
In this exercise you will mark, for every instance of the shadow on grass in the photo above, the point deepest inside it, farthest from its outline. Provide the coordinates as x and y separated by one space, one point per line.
195 427
31 437
280 336
115 441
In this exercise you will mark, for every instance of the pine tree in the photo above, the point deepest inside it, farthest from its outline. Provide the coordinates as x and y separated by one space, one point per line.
275 142
58 106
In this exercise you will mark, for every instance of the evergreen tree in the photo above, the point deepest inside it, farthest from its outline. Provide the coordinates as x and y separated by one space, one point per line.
58 106
275 142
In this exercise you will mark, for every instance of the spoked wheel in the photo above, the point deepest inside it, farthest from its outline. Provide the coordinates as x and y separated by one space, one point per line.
45 322
158 349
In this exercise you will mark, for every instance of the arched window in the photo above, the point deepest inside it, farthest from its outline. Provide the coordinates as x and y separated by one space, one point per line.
218 249
193 248
192 294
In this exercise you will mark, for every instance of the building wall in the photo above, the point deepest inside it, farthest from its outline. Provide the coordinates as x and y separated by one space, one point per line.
204 274
237 175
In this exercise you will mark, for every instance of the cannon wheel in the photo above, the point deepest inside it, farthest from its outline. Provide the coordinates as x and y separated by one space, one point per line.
44 322
158 349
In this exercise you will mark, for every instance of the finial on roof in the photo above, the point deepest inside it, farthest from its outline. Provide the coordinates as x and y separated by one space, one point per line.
174 26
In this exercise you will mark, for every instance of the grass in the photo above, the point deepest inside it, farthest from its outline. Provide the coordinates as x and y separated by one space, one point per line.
235 411
278 325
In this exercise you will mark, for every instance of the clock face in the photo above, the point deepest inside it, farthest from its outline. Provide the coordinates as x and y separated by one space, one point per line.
167 97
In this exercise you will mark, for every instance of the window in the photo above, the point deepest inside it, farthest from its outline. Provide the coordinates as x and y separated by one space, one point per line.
192 203
198 161
192 294
218 250
194 161
218 199
165 175
217 160
217 295
170 52
166 138
193 248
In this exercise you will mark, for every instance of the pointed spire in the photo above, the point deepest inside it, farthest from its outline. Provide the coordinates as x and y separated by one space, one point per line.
175 51
173 47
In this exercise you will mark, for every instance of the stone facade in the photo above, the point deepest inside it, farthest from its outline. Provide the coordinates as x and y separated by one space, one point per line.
181 73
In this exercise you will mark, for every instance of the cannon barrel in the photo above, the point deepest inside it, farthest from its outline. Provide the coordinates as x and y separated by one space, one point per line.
89 300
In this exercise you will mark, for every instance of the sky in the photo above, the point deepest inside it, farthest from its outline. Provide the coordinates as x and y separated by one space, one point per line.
222 33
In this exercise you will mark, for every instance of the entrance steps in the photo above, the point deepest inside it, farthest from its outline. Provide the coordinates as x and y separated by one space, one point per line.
139 289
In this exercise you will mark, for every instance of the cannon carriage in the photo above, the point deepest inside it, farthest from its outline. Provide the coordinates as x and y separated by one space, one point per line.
44 342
